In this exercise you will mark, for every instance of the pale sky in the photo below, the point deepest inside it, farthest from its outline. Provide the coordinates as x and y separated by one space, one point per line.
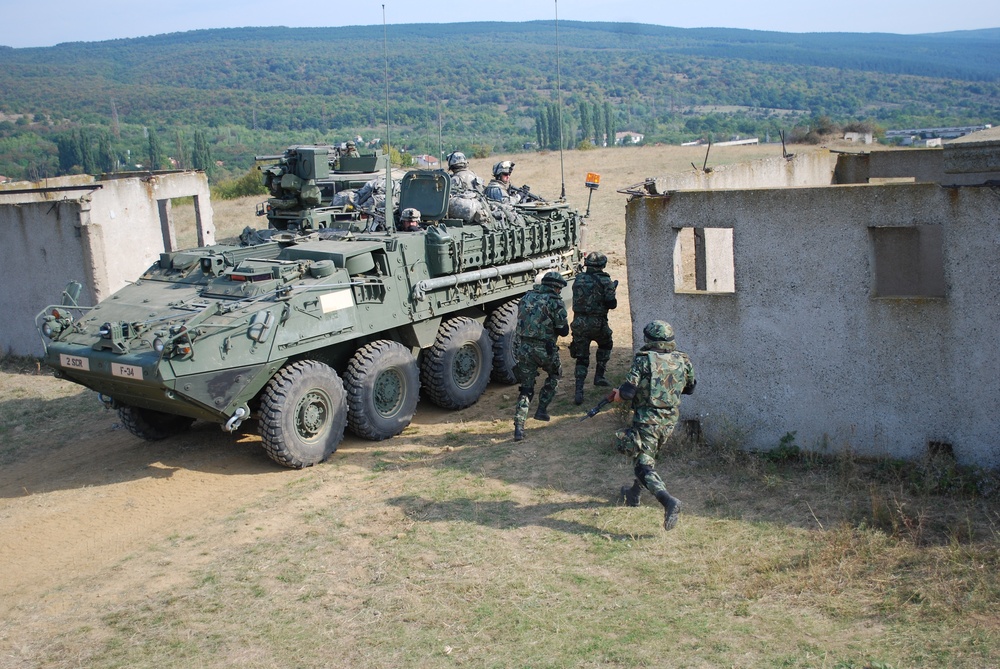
48 22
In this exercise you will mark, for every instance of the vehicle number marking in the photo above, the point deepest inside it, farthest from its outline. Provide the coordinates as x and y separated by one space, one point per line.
126 371
74 362
335 301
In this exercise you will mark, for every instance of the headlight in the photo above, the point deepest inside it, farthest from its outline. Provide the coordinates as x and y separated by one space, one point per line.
158 345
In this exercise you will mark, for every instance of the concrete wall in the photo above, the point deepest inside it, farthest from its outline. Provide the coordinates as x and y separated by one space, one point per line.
806 344
806 169
101 233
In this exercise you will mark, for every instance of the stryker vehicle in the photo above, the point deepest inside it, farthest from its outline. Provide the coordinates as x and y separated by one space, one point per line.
311 333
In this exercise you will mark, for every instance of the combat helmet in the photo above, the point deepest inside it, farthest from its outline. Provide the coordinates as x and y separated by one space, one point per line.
554 278
596 259
658 331
457 161
409 219
503 167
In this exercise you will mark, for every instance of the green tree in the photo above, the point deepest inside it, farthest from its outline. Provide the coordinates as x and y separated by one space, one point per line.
609 123
201 156
155 152
69 152
598 121
585 126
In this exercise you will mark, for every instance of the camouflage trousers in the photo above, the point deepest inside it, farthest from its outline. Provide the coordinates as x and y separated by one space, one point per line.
643 442
534 355
588 328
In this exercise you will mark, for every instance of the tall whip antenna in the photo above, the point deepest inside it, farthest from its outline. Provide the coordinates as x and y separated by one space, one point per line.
385 51
562 167
389 204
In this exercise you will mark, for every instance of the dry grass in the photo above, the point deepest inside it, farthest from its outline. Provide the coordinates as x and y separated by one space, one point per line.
451 545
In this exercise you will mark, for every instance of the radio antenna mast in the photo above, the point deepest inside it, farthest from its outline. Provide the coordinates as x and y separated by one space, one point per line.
562 167
389 204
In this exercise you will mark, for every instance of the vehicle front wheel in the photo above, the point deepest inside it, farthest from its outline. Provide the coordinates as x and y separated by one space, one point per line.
303 412
152 425
383 386
456 369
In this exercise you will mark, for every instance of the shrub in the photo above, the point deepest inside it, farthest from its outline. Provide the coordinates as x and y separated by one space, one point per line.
248 184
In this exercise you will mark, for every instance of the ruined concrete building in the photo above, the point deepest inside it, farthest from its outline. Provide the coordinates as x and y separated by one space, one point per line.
848 298
100 232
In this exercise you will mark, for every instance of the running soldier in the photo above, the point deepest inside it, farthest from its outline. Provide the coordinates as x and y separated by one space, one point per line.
541 320
593 296
660 374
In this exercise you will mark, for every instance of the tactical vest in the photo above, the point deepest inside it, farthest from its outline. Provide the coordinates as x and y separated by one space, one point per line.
535 315
666 379
590 295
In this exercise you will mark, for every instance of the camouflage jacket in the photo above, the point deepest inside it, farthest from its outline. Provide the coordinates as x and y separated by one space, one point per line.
541 314
466 179
594 293
659 375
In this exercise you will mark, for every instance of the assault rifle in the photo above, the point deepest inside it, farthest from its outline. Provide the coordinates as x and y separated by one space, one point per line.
600 405
525 193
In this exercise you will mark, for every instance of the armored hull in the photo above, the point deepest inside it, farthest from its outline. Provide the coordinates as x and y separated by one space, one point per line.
311 333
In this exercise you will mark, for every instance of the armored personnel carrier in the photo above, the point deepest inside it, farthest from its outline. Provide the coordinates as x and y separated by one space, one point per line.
324 325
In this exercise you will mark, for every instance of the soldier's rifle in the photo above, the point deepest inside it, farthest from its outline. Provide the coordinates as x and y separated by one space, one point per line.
525 193
600 405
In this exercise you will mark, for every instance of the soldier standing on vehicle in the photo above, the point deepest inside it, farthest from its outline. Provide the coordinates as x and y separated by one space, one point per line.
660 374
462 178
352 150
499 188
541 320
593 296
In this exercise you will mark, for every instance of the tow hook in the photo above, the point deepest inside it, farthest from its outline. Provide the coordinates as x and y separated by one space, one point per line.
234 423
108 402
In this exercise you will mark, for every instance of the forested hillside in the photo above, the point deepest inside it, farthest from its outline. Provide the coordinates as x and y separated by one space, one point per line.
223 95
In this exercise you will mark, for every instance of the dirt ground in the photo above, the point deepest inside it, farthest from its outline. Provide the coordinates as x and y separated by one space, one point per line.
86 508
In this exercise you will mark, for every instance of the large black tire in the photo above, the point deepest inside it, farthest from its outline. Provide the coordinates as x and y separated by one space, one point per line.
383 386
456 369
152 425
501 325
303 412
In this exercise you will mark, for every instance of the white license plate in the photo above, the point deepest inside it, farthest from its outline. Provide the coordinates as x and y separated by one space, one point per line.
126 371
74 362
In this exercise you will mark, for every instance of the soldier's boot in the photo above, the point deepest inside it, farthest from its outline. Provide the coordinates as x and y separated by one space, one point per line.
541 413
578 396
599 379
631 495
518 431
671 509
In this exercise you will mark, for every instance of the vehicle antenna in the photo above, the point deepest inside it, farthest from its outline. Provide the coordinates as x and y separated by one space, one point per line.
562 168
389 204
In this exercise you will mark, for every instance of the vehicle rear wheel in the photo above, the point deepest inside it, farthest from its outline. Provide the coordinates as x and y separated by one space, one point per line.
303 412
152 425
383 386
501 325
456 369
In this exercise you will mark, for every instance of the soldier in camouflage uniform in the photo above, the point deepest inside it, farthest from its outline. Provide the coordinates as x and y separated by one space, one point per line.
660 374
498 189
593 296
541 319
352 150
462 178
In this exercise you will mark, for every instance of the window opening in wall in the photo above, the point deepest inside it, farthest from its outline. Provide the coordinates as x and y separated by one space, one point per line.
909 261
703 261
178 223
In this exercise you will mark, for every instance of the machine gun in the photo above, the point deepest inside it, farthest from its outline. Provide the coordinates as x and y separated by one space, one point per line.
525 193
600 405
